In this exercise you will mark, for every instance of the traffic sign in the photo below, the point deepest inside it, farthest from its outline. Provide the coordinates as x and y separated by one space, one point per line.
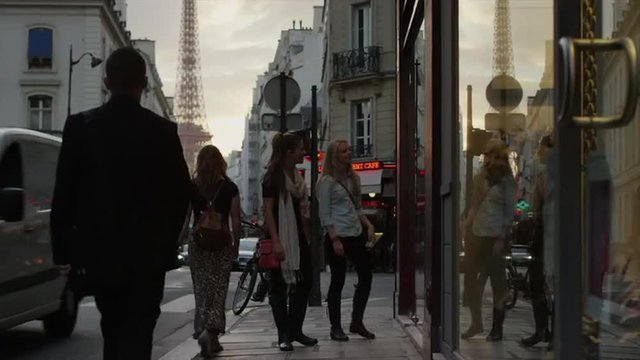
504 121
272 91
271 122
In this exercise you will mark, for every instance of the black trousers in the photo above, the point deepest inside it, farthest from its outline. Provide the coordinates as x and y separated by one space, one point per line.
354 250
289 306
485 265
129 315
538 297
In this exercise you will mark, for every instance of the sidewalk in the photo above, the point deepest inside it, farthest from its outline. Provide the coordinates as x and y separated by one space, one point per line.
253 335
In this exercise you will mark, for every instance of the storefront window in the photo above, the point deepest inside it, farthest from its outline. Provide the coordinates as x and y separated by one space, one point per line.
505 222
611 199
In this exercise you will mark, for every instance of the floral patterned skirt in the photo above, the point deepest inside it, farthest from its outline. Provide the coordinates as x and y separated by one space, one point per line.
210 271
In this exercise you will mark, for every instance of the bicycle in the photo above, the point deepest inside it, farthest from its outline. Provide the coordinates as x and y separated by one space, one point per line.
517 281
248 279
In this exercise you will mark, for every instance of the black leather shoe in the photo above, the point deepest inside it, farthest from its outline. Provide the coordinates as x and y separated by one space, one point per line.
285 346
305 340
338 335
362 331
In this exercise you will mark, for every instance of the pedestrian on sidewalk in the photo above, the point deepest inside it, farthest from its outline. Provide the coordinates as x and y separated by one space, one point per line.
286 215
537 277
490 216
347 231
215 198
120 200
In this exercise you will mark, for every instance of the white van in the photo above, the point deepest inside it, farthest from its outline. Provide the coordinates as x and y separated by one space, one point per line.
31 286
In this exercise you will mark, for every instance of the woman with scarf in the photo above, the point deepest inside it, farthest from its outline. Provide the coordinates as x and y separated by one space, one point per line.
490 216
286 215
347 231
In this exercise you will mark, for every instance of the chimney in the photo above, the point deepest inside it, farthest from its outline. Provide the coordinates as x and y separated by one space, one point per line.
301 25
294 24
317 18
148 47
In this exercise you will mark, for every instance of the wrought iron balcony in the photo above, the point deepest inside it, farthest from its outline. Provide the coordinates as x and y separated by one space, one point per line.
358 62
362 151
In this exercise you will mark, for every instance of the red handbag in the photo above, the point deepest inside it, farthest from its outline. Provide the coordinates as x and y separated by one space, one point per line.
267 259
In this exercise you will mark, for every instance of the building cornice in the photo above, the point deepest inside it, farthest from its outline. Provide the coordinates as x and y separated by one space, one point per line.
105 6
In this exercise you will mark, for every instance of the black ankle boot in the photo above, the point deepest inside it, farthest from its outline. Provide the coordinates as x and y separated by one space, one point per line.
538 336
304 339
476 324
338 335
358 328
473 330
496 328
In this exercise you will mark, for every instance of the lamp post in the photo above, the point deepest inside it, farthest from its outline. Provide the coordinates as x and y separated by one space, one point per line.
94 62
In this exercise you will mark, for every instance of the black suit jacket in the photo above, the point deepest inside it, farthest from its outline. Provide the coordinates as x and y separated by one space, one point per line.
121 194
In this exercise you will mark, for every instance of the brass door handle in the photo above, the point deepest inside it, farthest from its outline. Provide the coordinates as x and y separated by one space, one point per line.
568 48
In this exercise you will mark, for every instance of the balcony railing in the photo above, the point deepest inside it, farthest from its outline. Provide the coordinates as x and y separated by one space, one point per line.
358 62
363 151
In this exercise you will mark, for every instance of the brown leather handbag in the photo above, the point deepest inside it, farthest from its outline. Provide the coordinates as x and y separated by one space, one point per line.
212 232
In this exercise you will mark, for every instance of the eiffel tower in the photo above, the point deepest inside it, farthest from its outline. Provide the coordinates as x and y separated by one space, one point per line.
502 42
189 100
504 92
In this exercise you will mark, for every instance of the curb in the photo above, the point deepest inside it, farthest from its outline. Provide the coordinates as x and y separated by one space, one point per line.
416 336
412 331
188 348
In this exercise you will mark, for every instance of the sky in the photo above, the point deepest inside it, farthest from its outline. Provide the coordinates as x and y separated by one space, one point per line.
238 39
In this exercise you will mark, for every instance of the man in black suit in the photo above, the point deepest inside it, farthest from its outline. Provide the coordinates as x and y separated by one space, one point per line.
119 204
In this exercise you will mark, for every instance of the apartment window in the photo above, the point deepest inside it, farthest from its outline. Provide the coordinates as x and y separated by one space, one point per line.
40 49
40 112
362 128
361 26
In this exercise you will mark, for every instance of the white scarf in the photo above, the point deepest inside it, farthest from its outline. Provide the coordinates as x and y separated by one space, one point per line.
288 227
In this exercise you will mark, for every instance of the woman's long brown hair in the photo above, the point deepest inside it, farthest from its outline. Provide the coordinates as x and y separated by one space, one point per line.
281 145
210 169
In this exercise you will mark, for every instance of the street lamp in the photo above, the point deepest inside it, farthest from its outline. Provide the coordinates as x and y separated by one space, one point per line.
94 62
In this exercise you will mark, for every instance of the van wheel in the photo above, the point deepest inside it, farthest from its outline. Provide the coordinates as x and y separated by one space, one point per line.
62 322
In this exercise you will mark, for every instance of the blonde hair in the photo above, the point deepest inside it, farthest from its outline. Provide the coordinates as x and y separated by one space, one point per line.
332 167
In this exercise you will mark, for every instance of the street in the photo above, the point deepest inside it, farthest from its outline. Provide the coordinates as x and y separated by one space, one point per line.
29 342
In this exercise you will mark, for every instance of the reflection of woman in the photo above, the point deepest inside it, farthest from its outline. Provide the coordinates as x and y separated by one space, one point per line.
210 269
285 203
536 268
490 216
341 218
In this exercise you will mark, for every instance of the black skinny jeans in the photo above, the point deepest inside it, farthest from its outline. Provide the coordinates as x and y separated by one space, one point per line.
354 250
485 264
289 310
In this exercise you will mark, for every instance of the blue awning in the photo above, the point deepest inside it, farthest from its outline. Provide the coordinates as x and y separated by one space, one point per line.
40 43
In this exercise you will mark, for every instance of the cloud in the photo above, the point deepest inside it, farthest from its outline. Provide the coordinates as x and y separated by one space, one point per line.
531 27
238 39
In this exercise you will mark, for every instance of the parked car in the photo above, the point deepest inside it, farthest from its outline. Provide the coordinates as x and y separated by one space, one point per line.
31 286
245 252
183 255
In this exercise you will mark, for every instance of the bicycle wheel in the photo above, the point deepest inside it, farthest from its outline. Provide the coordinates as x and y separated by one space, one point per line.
246 283
512 287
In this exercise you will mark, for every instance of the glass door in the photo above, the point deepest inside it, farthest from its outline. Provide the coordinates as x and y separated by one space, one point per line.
505 140
606 83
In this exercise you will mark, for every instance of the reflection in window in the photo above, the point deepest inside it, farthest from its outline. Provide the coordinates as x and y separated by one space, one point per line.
40 49
40 112
361 26
40 162
362 134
